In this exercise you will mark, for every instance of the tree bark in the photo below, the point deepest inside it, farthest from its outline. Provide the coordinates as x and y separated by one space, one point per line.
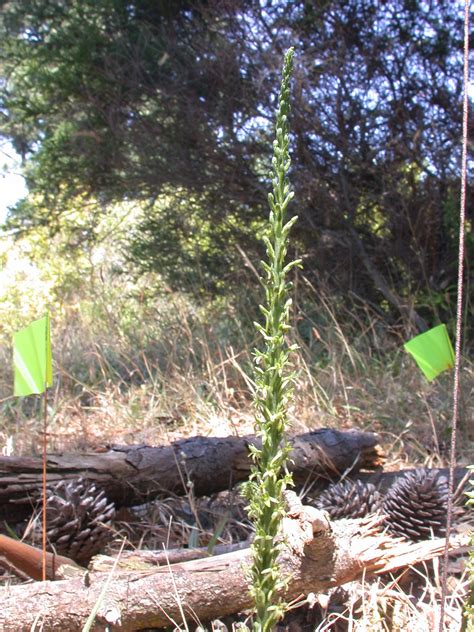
316 556
131 475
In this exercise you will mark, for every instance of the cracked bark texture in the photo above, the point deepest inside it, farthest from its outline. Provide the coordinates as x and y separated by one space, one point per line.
131 475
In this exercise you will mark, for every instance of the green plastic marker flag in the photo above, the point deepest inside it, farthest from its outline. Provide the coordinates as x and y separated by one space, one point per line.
432 351
32 358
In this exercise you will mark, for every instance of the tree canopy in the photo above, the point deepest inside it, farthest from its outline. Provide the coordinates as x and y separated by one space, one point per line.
170 104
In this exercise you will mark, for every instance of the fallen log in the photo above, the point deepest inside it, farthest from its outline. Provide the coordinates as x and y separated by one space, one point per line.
317 555
141 558
26 561
132 475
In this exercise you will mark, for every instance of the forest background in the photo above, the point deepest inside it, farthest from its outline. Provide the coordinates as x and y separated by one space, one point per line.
145 133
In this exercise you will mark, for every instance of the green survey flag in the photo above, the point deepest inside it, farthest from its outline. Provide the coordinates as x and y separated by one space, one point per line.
32 358
432 351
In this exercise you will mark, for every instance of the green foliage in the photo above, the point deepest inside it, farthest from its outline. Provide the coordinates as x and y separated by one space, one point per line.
68 272
156 102
273 382
195 252
25 287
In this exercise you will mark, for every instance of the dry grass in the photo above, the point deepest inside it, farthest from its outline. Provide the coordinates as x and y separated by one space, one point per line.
179 370
186 376
390 605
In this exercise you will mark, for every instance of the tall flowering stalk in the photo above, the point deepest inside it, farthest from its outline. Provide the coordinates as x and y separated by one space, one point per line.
274 381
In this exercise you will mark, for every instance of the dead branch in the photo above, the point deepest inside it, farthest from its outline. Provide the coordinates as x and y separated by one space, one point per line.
317 555
131 475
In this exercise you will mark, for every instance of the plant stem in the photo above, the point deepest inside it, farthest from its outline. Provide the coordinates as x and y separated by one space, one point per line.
274 382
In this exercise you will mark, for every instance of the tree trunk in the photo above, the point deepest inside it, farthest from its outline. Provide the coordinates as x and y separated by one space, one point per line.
131 475
317 555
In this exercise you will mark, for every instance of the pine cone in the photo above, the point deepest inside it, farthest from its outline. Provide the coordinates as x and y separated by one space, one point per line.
415 506
77 519
349 499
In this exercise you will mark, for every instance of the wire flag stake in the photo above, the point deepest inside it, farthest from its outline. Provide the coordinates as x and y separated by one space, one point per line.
459 309
33 374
